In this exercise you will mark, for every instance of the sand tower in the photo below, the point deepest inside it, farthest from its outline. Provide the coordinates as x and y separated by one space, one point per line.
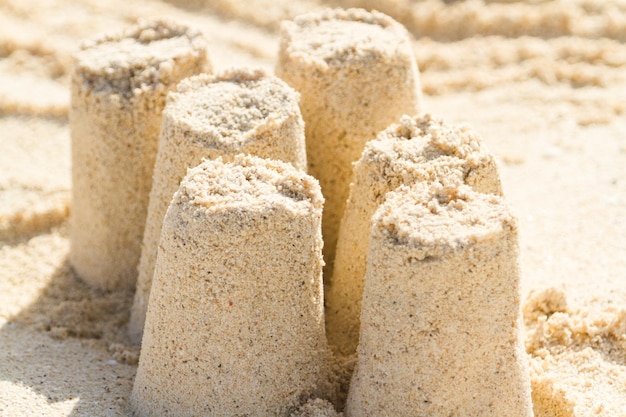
237 111
440 322
119 85
356 74
420 148
235 322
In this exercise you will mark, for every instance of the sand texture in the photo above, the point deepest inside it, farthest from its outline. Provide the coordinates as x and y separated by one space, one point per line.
542 82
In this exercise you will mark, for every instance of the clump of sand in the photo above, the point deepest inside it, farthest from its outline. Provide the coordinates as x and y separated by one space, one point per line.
577 356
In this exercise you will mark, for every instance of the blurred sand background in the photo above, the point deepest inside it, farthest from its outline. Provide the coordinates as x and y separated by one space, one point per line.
543 82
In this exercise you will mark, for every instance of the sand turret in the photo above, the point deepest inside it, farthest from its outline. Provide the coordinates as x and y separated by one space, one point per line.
440 321
235 322
119 88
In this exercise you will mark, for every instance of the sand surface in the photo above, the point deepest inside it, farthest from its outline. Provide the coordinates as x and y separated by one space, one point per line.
543 82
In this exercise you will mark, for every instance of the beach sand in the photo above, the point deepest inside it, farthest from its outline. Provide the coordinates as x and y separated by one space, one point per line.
542 82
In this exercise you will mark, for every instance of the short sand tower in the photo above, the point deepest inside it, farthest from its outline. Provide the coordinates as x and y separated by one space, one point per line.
357 74
119 86
418 149
441 324
237 111
235 323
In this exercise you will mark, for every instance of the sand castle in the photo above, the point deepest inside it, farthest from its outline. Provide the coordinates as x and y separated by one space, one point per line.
236 111
229 302
440 321
541 82
356 74
119 85
235 323
417 149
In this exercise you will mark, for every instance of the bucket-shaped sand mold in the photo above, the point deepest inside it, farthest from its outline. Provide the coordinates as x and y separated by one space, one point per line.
356 73
235 322
119 86
440 320
417 149
237 111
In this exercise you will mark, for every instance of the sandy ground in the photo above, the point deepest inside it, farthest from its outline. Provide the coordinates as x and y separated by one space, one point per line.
543 82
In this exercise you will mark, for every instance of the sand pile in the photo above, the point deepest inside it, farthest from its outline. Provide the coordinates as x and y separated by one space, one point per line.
577 355
539 81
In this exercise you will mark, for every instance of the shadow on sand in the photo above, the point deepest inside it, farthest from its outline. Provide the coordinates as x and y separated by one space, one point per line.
70 343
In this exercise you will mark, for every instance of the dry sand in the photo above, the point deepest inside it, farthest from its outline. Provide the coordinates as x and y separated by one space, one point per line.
542 82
